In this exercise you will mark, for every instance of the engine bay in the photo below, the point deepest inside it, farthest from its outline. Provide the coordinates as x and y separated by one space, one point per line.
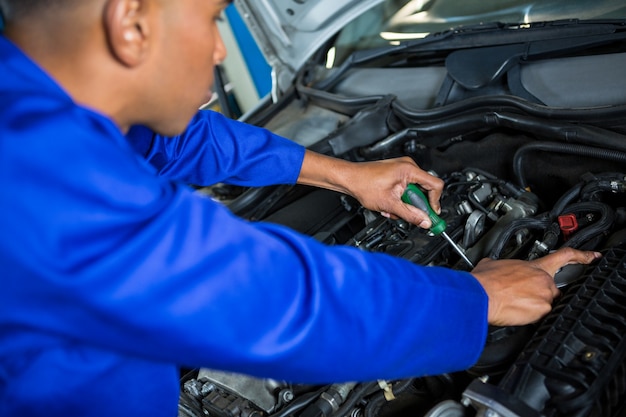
572 363
564 360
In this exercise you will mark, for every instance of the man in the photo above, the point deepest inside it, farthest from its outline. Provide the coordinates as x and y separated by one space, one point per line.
114 274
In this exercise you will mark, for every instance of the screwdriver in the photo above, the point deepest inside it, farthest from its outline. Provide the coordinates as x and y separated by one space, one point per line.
415 197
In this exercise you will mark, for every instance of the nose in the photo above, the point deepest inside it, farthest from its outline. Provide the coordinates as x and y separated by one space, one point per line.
219 53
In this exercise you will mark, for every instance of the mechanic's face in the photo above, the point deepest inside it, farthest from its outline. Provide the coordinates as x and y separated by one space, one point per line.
188 46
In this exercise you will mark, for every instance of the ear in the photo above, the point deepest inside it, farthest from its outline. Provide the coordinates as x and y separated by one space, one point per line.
127 30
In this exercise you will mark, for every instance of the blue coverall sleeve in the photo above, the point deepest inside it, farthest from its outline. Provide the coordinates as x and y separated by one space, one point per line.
105 253
217 149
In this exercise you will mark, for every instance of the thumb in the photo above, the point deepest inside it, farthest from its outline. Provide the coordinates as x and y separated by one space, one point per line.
551 263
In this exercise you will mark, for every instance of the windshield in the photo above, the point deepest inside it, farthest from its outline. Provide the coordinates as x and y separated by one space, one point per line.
394 21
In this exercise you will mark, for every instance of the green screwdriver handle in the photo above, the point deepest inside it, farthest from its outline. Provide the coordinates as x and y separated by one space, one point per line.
415 197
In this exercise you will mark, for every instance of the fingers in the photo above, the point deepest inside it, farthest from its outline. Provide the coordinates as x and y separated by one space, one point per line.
553 262
381 184
413 215
433 186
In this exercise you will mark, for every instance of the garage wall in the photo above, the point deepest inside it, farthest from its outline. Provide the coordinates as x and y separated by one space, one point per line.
244 67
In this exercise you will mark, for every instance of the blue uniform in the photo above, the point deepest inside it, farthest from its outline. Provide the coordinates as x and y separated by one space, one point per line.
114 273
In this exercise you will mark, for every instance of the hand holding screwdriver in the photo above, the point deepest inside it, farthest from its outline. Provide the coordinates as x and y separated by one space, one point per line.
414 196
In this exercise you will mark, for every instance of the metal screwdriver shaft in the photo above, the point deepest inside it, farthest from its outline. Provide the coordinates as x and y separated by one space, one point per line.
414 196
457 249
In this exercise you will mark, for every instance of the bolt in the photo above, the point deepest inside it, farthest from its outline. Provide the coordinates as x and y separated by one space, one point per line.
207 388
287 396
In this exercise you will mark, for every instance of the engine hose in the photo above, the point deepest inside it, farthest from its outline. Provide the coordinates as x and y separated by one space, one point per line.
524 223
567 132
249 200
483 119
355 396
565 200
302 402
565 148
380 148
374 405
377 401
612 183
348 106
584 191
607 217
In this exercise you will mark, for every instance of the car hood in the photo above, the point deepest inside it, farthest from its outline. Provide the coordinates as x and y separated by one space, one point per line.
290 31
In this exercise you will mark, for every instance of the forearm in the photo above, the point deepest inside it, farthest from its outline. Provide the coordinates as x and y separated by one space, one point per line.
326 172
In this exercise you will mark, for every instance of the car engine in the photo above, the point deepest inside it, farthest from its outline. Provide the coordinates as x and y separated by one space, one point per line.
570 364
525 174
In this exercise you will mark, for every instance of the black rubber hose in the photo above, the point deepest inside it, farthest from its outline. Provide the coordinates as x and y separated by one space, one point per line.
514 227
562 130
481 119
375 404
299 404
605 182
356 395
565 148
378 400
348 106
380 148
565 200
256 202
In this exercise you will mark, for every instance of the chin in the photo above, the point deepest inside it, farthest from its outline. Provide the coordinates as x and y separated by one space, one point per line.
172 125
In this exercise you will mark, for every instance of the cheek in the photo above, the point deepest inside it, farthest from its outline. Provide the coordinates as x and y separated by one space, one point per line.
200 50
191 47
